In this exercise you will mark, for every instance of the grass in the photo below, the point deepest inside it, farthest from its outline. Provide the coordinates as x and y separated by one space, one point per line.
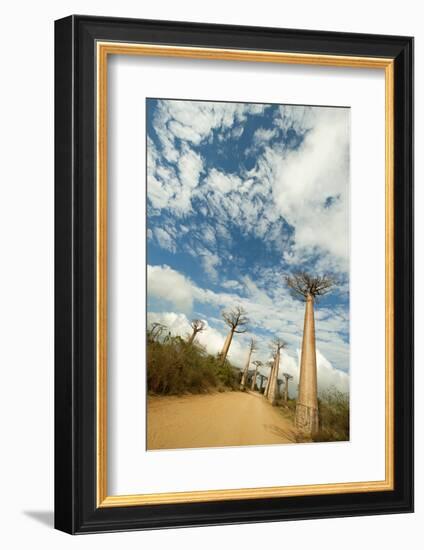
334 416
333 408
175 367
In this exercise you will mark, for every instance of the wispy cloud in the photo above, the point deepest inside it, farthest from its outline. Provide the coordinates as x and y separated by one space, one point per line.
281 317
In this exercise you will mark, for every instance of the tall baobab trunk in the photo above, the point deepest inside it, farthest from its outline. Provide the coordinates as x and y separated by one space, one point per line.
246 370
253 385
226 347
286 391
192 337
252 349
273 385
307 287
268 382
307 418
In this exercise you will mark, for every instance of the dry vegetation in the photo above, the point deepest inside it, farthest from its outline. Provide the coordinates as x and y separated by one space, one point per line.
333 414
175 367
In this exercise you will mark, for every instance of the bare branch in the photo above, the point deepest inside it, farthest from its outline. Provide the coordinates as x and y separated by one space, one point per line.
236 319
198 325
277 345
155 331
253 344
303 285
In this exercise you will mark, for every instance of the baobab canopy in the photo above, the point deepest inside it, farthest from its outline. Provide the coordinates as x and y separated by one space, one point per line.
236 319
303 285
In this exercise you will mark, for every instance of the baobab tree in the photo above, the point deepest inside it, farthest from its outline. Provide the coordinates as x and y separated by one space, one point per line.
252 349
155 331
237 321
257 364
287 377
278 345
270 365
198 326
308 289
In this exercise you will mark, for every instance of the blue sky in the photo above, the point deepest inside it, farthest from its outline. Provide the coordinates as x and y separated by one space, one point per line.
238 196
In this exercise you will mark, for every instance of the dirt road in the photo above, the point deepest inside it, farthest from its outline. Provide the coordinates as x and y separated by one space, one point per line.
215 420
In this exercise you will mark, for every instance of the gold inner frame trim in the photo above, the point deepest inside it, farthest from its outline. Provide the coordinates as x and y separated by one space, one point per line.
103 50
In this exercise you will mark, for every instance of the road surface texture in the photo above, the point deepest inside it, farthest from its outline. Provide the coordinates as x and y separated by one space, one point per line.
215 420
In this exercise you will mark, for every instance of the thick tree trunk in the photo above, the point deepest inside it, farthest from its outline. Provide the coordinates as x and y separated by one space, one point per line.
261 383
273 386
307 419
253 385
192 337
226 347
245 371
267 385
268 382
286 391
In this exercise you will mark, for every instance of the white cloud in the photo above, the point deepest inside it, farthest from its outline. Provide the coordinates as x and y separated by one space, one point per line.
255 293
237 131
193 121
306 186
161 181
327 375
190 165
172 184
310 184
219 182
210 263
276 313
164 239
167 284
232 284
208 235
263 135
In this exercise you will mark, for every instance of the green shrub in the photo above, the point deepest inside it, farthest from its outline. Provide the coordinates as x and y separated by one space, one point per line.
175 367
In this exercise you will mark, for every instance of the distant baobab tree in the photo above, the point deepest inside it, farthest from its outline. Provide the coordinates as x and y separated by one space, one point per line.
308 288
155 331
257 364
197 326
270 365
237 321
278 345
252 349
287 377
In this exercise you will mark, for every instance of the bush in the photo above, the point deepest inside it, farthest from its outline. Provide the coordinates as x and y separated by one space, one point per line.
175 367
334 416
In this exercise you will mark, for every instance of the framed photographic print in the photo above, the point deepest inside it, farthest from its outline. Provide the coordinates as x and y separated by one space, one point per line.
234 255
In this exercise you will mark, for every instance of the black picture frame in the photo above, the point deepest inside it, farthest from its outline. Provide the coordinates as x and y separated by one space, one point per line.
76 510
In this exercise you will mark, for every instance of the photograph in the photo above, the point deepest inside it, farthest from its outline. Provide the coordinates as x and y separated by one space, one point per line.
248 259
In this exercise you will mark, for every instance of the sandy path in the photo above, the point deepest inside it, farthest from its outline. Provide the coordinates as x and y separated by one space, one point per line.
215 420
